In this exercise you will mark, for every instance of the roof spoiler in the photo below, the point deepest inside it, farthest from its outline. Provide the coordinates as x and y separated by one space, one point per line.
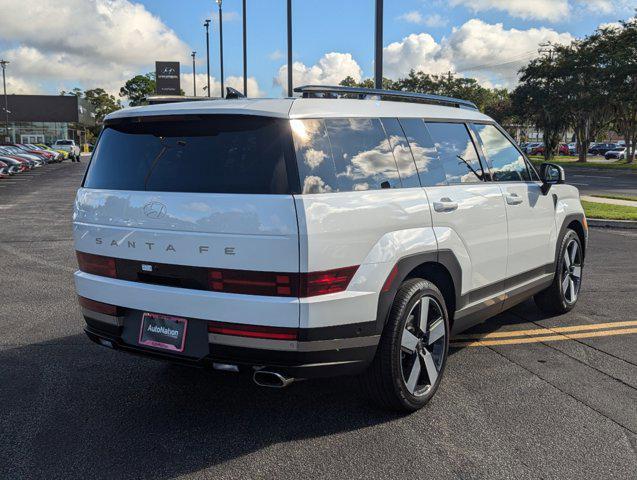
327 91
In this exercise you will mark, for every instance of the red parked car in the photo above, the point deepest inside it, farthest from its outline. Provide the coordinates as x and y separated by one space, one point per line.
4 170
539 150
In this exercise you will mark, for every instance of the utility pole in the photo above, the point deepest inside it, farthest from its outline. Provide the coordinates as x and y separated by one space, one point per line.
207 25
290 89
378 46
194 76
3 64
245 52
221 45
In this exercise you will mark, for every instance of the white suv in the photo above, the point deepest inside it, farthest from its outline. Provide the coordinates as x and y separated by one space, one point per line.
317 236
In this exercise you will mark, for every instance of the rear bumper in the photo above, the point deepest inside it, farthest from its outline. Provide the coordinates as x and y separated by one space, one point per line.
299 359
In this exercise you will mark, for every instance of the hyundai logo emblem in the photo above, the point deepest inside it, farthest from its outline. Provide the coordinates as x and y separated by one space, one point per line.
155 210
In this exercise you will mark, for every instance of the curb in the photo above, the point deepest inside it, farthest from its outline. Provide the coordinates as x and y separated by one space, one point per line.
599 223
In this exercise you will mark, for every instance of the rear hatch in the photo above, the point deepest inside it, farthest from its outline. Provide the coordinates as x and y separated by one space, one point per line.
173 197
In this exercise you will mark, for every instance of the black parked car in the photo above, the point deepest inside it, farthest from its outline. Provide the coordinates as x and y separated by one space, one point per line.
601 148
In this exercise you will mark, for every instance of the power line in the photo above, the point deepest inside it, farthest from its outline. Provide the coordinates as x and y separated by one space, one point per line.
516 59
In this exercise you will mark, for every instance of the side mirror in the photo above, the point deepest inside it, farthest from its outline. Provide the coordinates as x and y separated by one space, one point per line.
551 174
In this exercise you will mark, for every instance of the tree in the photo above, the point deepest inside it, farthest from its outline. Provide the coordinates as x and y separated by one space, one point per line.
138 88
102 103
617 50
541 97
76 91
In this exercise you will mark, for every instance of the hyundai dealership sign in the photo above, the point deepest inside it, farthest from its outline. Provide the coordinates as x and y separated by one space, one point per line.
167 77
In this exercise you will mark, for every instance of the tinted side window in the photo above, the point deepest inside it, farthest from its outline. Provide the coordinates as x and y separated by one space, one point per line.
362 154
507 164
457 152
402 153
314 156
424 152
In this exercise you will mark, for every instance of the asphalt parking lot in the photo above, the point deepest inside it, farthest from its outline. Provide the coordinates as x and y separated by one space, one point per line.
559 401
603 181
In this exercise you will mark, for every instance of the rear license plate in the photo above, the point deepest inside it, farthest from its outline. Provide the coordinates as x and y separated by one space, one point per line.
163 331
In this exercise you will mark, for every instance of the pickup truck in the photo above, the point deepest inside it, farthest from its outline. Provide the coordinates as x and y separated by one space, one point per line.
68 146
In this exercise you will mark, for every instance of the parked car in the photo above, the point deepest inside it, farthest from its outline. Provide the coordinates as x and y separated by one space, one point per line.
68 146
4 170
57 157
45 157
39 158
618 153
64 153
14 152
531 146
21 164
539 150
335 237
601 148
572 148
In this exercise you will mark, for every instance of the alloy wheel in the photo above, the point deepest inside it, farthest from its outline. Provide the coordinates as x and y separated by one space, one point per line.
572 273
423 346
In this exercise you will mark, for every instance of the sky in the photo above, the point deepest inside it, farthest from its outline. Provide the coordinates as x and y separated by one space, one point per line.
56 45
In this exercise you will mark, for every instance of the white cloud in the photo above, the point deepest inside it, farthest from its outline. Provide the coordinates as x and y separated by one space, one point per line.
215 85
416 51
606 7
51 42
330 70
434 20
478 49
551 10
276 55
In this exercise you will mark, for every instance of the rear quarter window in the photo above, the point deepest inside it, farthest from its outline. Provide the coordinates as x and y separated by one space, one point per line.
344 155
214 154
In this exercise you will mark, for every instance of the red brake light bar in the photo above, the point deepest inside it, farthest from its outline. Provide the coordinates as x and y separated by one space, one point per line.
96 264
253 331
281 284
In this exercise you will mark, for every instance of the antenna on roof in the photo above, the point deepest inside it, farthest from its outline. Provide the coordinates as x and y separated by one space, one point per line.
326 91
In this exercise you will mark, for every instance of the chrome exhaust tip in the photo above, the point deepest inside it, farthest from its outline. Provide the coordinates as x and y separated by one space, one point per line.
265 378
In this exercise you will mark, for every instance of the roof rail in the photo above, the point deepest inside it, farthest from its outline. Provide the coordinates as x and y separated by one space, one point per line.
326 91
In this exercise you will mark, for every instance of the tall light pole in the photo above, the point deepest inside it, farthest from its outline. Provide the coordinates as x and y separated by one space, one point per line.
221 44
290 48
4 63
245 52
207 25
194 79
378 46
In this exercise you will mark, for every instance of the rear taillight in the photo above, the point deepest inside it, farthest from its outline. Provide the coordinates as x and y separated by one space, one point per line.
99 307
280 284
96 264
253 283
253 331
329 281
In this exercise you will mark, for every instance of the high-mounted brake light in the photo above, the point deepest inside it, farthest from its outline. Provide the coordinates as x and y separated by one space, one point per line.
96 264
253 331
99 307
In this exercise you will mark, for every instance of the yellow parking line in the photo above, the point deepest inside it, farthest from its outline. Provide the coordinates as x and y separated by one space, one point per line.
545 330
545 338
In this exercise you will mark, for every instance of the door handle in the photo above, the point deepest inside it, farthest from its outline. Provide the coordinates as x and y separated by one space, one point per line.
513 199
445 205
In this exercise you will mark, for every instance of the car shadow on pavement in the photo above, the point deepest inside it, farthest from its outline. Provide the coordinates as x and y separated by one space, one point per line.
72 409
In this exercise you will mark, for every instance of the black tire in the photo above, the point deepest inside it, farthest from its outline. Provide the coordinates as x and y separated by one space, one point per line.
558 299
384 381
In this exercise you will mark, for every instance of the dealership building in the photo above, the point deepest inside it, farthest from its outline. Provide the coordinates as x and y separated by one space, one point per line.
46 118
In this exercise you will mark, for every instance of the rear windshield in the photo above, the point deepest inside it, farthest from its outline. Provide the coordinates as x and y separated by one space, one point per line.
215 154
64 142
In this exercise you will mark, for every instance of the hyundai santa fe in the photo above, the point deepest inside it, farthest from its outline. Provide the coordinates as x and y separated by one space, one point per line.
345 232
